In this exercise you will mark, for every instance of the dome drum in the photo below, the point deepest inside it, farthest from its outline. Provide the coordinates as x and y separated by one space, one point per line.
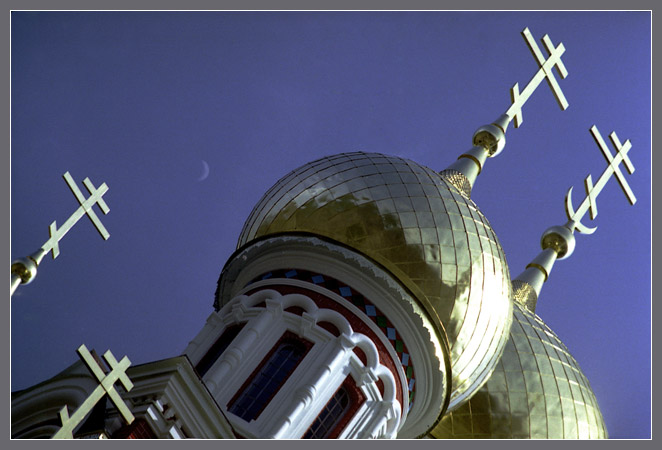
427 352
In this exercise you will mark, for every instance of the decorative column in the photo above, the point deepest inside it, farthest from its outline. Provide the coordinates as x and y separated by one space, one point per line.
337 351
245 341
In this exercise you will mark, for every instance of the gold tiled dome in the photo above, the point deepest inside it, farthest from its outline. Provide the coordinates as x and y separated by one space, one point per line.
421 228
537 391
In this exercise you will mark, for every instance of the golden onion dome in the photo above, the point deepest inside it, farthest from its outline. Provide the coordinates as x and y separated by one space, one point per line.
537 391
421 228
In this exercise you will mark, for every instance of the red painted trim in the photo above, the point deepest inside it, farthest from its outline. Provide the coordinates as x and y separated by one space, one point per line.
298 310
331 328
139 429
361 354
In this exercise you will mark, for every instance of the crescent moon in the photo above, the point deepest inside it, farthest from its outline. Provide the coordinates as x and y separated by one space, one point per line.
205 171
570 213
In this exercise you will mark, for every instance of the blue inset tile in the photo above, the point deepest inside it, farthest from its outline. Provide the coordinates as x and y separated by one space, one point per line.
411 384
268 275
291 273
370 310
390 333
405 359
317 279
345 291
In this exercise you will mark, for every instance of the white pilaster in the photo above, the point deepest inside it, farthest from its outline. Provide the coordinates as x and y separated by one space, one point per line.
242 345
327 377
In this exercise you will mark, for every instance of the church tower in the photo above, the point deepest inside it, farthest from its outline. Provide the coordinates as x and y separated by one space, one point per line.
368 297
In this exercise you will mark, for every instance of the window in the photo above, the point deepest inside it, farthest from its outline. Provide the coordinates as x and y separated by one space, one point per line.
337 413
217 349
332 413
268 378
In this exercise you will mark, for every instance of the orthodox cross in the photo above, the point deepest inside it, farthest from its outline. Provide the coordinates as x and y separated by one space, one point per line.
544 73
592 191
24 270
489 140
559 242
84 208
106 386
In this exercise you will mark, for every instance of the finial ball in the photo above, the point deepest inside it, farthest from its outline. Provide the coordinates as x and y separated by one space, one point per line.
560 239
25 269
490 137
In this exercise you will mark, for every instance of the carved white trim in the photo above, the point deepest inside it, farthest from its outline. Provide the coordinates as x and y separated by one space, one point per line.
318 376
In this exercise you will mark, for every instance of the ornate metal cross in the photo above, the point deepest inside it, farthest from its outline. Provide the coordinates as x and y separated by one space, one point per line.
489 140
24 270
592 191
84 208
106 386
544 73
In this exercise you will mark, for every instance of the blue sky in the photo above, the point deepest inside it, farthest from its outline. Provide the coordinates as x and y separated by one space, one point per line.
141 101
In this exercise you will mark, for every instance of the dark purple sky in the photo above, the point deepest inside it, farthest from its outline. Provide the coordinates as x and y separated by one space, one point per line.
141 100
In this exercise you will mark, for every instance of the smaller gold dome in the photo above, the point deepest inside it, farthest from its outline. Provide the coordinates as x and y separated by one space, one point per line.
537 391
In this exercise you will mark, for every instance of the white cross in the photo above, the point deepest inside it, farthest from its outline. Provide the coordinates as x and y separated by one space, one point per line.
544 73
592 191
106 386
85 208
23 270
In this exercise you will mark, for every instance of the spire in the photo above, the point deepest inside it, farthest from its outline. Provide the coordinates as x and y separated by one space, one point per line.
559 242
489 140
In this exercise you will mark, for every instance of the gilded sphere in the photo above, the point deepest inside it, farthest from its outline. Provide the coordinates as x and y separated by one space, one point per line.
560 239
25 269
417 225
490 137
537 391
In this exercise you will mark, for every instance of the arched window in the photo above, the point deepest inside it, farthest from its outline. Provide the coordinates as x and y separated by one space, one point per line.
268 378
217 348
337 412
